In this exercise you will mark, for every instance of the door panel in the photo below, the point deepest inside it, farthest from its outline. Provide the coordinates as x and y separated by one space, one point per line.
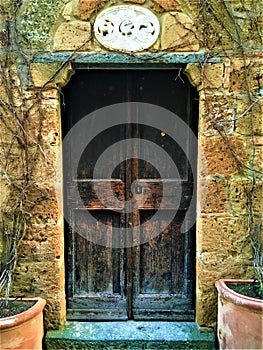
161 292
162 259
98 271
153 280
168 145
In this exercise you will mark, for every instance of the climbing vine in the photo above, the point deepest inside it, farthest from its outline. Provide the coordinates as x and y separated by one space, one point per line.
227 29
240 34
21 147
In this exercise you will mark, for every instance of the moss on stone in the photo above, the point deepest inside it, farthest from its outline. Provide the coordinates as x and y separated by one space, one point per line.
35 20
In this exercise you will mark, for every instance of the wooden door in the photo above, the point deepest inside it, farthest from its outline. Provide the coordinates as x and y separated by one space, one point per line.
153 280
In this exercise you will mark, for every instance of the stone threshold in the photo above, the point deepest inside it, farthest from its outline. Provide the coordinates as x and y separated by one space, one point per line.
130 335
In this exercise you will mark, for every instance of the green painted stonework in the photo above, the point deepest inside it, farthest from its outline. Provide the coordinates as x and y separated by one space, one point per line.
115 58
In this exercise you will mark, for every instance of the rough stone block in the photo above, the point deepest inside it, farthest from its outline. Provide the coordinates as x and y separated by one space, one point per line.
206 291
246 75
223 250
45 115
213 196
250 37
227 70
85 8
14 93
212 74
6 137
51 125
239 196
212 35
16 167
6 10
248 116
44 238
56 311
38 278
72 36
50 74
50 94
193 73
32 278
205 307
218 157
222 236
4 189
258 158
165 5
68 11
178 33
241 6
216 111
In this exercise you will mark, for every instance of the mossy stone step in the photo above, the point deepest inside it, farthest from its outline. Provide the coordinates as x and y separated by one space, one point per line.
130 335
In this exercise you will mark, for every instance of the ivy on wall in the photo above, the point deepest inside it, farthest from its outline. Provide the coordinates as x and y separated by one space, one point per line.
231 111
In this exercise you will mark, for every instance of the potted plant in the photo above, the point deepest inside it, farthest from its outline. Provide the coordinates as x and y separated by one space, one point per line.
21 323
21 319
239 315
240 302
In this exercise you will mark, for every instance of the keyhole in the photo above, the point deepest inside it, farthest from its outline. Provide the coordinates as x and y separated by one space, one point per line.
138 189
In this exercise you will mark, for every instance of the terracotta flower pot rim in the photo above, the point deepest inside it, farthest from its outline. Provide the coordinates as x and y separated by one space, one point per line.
237 298
11 321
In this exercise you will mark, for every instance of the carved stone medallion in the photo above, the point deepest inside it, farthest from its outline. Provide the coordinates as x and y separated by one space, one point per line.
127 28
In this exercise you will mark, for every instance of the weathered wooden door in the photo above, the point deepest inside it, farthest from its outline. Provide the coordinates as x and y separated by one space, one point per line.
153 280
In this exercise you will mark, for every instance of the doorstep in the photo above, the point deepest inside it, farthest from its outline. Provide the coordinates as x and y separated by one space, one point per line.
130 335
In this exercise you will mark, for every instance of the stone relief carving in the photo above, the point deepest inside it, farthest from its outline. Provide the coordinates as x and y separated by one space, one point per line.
127 28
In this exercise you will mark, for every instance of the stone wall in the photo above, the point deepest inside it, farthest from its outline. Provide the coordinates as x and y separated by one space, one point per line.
230 129
223 248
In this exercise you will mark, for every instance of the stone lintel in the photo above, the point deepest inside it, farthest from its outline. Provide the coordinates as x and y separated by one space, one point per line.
115 59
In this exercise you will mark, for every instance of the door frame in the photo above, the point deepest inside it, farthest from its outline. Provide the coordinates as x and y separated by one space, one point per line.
143 67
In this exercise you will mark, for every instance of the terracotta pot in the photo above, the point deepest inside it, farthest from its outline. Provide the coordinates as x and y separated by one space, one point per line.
24 330
240 318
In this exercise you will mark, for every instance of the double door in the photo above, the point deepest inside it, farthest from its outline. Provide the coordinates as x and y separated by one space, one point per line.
139 266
